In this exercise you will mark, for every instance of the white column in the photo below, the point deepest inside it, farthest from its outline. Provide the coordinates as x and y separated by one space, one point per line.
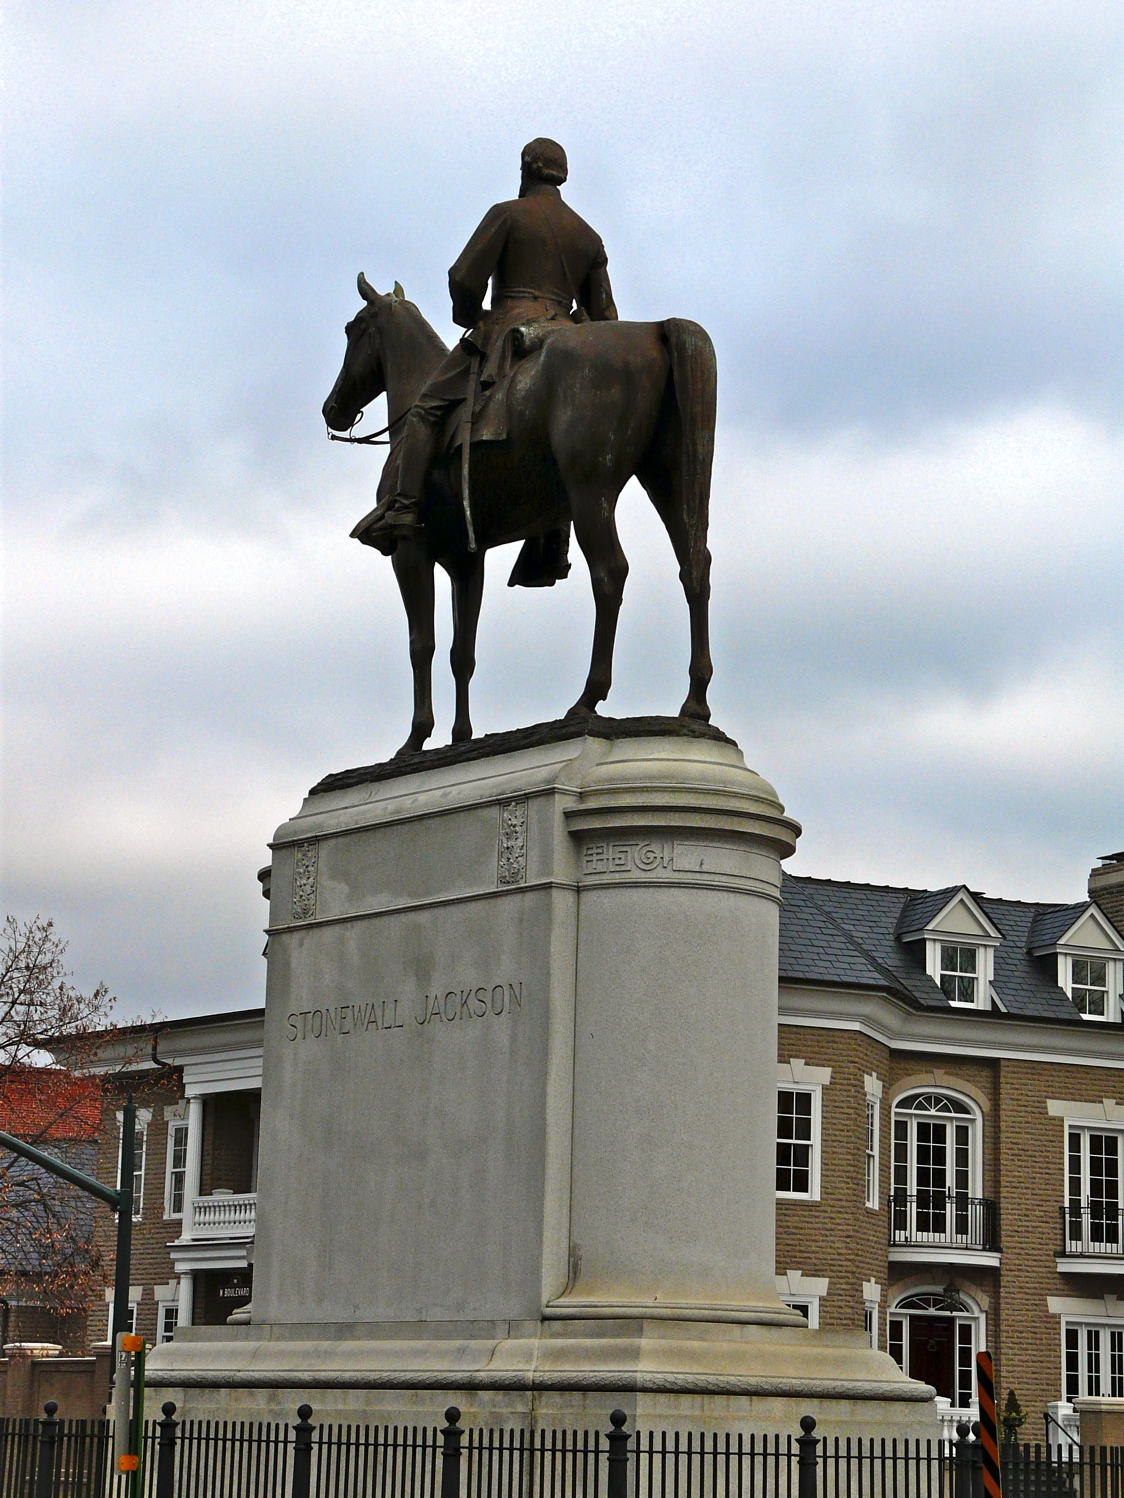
186 1298
191 1171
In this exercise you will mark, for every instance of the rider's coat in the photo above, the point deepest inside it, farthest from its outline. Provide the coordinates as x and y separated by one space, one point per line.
542 259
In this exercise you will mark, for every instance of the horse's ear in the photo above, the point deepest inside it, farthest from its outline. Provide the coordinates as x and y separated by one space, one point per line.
399 294
366 290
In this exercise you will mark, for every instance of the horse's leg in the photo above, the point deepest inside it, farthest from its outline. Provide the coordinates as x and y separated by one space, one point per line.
596 530
413 567
467 574
657 476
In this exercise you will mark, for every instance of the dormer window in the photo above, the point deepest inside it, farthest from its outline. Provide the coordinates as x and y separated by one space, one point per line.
1090 987
1089 952
959 940
958 974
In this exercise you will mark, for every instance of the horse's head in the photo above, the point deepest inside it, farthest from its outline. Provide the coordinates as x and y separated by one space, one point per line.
363 376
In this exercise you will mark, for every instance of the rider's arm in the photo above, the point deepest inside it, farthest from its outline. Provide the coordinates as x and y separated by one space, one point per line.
468 279
596 295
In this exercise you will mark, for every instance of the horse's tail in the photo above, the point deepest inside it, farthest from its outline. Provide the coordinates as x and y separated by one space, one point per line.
694 376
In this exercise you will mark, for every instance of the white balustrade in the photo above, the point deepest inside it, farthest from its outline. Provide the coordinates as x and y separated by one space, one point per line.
224 1215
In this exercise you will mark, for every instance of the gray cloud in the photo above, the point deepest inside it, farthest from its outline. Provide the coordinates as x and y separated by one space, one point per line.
900 226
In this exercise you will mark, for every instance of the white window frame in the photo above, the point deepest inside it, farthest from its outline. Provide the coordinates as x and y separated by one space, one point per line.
1113 969
130 1324
795 1075
985 964
1107 1331
946 971
144 1118
164 1309
873 1151
808 1305
814 1091
973 1117
174 1126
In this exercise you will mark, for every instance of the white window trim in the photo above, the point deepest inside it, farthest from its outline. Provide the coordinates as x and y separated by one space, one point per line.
175 1123
135 1294
873 1090
872 1299
1107 1323
144 1118
794 1076
1113 970
167 1299
797 1289
985 964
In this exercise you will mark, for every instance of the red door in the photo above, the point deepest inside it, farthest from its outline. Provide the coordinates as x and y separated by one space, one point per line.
931 1352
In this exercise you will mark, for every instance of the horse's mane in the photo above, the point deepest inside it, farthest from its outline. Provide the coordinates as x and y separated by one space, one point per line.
425 329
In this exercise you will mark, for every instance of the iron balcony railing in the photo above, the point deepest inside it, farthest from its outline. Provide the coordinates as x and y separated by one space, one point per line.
944 1219
1095 1230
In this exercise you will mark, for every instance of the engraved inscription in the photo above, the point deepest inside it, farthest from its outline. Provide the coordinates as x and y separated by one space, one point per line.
304 881
469 1003
513 843
626 858
453 1006
662 858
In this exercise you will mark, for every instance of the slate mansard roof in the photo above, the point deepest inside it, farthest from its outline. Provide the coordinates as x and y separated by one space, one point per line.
853 935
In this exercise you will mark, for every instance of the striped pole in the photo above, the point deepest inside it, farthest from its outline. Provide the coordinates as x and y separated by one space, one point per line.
985 1387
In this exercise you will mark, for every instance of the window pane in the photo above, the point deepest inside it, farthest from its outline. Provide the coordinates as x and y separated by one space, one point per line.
1093 1361
794 1142
965 1364
1072 1362
1116 1364
895 1344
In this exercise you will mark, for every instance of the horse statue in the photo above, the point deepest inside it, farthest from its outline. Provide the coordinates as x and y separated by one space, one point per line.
588 407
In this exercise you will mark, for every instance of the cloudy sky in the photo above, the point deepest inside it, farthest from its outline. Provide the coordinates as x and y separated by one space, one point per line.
899 220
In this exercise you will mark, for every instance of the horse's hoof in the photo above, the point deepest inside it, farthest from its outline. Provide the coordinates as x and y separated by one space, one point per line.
413 745
698 712
579 710
461 734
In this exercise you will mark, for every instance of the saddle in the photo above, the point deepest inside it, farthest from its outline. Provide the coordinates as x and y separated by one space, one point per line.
489 412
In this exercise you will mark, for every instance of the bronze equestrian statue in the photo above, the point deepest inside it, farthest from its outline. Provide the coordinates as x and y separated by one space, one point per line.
538 418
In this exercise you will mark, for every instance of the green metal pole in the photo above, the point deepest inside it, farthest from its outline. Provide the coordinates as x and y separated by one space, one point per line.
123 1265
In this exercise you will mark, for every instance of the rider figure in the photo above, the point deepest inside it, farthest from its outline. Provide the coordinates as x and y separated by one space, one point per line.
543 261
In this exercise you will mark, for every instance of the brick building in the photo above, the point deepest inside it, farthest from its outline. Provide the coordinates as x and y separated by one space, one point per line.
951 1131
194 1187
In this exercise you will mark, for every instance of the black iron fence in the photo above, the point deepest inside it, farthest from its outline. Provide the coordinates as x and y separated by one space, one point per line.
1096 1229
946 1219
51 1458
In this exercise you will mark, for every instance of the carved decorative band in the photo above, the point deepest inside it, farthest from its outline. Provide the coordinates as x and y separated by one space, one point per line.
307 858
557 1381
512 859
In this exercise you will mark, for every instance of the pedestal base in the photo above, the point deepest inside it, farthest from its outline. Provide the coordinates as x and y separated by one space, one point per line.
518 1125
667 1375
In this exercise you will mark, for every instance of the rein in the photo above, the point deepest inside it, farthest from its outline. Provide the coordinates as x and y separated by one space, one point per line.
372 439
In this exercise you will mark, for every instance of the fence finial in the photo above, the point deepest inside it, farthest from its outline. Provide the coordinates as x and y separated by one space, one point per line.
302 1452
617 1438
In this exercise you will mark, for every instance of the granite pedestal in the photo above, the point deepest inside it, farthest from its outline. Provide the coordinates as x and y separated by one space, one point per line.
518 1107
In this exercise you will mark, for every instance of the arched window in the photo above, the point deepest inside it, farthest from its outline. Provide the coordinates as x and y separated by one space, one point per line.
936 1172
